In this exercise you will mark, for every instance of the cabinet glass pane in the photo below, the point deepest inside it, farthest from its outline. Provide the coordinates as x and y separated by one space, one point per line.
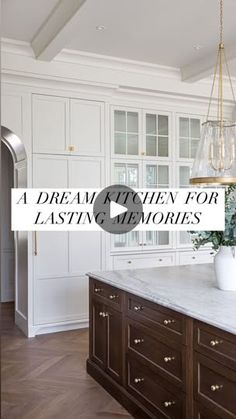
151 124
163 176
162 125
164 238
163 147
151 146
155 238
120 121
184 237
195 128
184 175
127 240
184 127
120 173
132 175
132 121
151 176
194 146
132 144
184 148
120 143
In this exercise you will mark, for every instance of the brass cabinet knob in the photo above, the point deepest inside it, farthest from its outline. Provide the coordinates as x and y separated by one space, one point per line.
71 147
103 314
129 261
215 342
137 341
142 153
138 308
168 321
169 403
113 296
169 358
160 260
97 290
216 387
138 380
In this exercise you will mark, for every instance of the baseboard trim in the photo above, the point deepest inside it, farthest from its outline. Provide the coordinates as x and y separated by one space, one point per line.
22 322
119 393
42 329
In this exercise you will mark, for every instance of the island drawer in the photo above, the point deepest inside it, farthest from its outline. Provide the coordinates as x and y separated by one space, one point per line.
151 390
215 343
143 342
167 321
201 412
215 386
107 294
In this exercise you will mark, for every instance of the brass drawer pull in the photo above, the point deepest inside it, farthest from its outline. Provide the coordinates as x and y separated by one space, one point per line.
138 380
215 342
138 308
103 314
97 290
169 403
169 358
129 261
160 260
113 296
216 387
168 321
137 341
71 147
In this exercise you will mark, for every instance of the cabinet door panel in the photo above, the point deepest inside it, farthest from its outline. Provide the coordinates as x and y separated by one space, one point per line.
85 247
12 113
50 124
52 259
87 127
98 349
114 344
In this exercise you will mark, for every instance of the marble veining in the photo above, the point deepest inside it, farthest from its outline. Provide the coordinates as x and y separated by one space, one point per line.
189 289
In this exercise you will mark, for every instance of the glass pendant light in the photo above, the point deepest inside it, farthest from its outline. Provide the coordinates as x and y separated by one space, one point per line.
215 162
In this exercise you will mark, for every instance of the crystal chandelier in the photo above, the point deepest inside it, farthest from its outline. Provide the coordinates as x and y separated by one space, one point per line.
215 162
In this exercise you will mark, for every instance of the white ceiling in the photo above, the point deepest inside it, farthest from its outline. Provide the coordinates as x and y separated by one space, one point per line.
156 31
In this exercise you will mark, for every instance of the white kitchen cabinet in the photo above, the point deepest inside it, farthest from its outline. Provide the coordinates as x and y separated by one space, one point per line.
199 256
87 127
151 260
126 132
189 131
157 135
61 287
50 124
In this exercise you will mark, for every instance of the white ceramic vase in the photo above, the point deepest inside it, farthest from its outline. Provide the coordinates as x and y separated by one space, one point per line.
225 268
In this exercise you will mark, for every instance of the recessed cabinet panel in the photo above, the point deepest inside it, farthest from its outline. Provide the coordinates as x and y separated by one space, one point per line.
86 127
50 172
12 113
50 127
52 258
85 252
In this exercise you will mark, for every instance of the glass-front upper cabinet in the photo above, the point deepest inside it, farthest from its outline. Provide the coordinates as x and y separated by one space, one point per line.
189 136
184 170
156 175
157 135
126 132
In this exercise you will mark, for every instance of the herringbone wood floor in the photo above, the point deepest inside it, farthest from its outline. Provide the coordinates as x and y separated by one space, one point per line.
45 377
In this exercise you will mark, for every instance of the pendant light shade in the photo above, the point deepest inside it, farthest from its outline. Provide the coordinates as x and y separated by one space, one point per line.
215 162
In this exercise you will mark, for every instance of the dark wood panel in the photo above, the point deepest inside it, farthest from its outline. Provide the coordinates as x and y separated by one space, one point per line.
98 345
107 294
168 322
114 344
215 386
201 412
165 358
215 343
153 391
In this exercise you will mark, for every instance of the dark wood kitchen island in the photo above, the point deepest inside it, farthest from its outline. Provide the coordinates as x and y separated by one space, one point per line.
163 343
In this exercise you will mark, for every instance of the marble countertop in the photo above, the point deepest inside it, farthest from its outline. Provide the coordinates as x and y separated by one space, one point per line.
189 289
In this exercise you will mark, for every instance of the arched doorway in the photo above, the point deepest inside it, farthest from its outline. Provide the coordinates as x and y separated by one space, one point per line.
14 152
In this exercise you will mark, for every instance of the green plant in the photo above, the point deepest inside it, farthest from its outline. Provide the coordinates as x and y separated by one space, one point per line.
221 238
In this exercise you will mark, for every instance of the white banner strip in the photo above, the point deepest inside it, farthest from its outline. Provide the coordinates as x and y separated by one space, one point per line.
194 209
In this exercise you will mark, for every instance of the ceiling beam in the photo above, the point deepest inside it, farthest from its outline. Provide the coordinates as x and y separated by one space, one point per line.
57 30
204 67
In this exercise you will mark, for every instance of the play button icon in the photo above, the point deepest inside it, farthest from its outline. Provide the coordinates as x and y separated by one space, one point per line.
121 208
116 209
